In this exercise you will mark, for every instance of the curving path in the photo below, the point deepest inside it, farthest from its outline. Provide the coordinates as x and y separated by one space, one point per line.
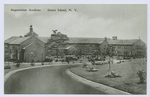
46 80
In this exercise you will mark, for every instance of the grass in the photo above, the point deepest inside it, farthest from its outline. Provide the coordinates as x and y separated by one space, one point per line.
128 71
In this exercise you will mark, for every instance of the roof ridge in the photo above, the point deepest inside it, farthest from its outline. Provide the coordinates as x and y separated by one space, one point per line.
78 37
28 45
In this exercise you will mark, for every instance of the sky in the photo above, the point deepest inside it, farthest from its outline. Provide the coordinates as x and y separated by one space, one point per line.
126 21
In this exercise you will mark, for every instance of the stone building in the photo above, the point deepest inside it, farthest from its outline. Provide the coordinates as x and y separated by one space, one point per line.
27 48
32 47
125 47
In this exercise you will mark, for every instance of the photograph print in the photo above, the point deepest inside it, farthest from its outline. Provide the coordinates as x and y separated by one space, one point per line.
75 49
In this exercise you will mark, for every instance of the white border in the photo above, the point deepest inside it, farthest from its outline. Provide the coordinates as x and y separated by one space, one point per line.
67 2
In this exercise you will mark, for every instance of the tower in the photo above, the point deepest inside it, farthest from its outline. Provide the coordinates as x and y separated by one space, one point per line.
31 29
31 32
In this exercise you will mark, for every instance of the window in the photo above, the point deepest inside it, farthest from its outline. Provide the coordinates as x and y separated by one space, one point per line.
125 47
141 46
119 47
118 52
137 47
125 52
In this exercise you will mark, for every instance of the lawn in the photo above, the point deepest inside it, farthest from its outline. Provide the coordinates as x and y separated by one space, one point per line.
127 82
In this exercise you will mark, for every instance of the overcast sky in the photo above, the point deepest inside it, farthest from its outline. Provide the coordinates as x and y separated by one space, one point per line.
126 21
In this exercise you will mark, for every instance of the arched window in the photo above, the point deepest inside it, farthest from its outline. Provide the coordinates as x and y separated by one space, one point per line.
137 46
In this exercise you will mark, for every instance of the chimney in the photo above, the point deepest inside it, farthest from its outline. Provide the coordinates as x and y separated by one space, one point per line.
31 29
114 37
105 38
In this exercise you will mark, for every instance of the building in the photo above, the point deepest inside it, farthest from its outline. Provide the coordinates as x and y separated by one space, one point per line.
32 47
125 47
25 49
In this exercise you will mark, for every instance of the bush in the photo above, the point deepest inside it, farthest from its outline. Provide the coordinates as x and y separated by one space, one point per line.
142 76
56 60
48 60
18 65
7 67
42 63
32 63
112 74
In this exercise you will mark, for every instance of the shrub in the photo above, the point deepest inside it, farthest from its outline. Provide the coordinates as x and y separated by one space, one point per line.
142 76
32 63
112 74
18 65
56 60
7 67
42 63
50 60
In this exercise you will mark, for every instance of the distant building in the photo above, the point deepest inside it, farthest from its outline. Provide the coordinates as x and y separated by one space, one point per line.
32 47
125 47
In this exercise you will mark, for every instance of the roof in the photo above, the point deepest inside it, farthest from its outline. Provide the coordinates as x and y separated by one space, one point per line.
67 47
77 40
19 40
122 42
11 39
28 45
43 39
30 34
85 40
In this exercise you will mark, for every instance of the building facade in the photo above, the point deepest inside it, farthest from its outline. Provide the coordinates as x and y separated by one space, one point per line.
31 47
127 48
24 49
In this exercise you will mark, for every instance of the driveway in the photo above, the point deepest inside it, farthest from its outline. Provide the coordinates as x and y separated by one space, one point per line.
46 80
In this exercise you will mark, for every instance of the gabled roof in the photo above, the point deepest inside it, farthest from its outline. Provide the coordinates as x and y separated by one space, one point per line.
44 39
85 40
122 42
28 45
11 39
19 40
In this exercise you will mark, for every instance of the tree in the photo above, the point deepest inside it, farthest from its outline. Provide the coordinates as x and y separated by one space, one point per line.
7 57
142 76
110 51
56 40
96 53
